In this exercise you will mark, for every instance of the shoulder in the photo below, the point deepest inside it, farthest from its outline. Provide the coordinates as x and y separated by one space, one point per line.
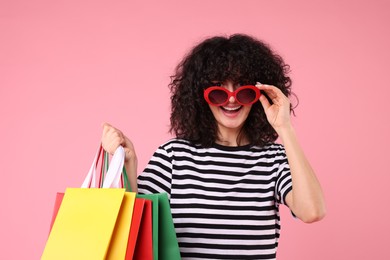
177 143
270 148
273 147
174 142
174 146
271 152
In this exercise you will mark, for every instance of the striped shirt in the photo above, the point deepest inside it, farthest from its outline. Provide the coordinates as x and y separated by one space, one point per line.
224 200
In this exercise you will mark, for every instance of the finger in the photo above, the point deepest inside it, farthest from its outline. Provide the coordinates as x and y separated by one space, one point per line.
106 127
113 132
116 136
128 143
264 102
267 90
274 93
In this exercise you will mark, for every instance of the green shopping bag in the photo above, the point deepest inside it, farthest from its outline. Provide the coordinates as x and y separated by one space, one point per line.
165 245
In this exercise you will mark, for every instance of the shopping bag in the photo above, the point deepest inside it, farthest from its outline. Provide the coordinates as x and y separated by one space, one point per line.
84 224
140 245
119 241
57 204
164 240
121 230
92 223
165 244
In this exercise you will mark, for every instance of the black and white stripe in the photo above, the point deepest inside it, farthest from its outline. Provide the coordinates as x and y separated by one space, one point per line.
224 200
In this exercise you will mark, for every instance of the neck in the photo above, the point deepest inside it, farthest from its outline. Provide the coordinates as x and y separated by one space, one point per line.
229 137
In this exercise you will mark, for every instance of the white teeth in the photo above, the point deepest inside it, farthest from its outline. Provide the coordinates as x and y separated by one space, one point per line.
232 108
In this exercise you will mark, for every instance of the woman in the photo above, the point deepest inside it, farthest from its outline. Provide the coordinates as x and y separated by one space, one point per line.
224 173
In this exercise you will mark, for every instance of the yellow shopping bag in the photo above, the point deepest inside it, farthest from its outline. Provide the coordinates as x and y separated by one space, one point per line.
119 241
91 224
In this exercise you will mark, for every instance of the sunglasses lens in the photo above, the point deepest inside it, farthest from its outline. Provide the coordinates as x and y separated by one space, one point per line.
218 96
246 96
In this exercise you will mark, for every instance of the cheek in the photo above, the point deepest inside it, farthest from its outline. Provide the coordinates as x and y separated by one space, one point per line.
213 109
246 110
216 113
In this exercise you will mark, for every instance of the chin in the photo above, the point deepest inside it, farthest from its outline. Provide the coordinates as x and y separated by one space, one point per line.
232 125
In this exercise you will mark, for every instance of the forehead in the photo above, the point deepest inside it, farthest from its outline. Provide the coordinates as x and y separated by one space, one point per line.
224 71
235 83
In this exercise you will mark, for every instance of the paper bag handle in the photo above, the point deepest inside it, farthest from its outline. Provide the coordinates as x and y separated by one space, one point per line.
90 179
112 178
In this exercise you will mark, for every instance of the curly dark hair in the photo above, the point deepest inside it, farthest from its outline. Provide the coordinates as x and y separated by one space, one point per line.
239 58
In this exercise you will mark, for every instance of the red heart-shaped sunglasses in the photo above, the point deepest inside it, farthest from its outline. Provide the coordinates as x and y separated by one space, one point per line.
219 96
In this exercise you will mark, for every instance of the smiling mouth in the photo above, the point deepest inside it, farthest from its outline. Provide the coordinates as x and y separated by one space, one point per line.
231 109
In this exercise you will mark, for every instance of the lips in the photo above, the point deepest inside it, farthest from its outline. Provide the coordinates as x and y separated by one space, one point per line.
231 110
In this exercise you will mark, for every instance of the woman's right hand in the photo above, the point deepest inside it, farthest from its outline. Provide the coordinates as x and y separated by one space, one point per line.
112 138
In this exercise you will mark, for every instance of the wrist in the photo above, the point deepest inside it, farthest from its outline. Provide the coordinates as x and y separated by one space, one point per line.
285 132
131 159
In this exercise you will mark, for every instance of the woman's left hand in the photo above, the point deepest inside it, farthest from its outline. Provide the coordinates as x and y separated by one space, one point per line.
278 113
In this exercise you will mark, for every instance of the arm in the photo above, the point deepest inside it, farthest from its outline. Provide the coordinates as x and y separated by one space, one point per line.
111 139
306 198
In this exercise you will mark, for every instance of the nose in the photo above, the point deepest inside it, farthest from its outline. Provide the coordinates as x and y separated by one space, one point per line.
230 86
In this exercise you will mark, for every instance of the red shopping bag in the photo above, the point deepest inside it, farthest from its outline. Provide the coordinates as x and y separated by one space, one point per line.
57 204
140 245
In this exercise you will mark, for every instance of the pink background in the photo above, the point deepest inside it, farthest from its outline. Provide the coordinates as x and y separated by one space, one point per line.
67 66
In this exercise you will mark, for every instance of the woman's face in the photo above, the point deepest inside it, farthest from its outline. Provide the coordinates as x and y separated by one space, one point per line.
231 117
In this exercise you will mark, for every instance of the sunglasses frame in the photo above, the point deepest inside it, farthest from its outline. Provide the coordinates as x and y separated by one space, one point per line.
229 93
